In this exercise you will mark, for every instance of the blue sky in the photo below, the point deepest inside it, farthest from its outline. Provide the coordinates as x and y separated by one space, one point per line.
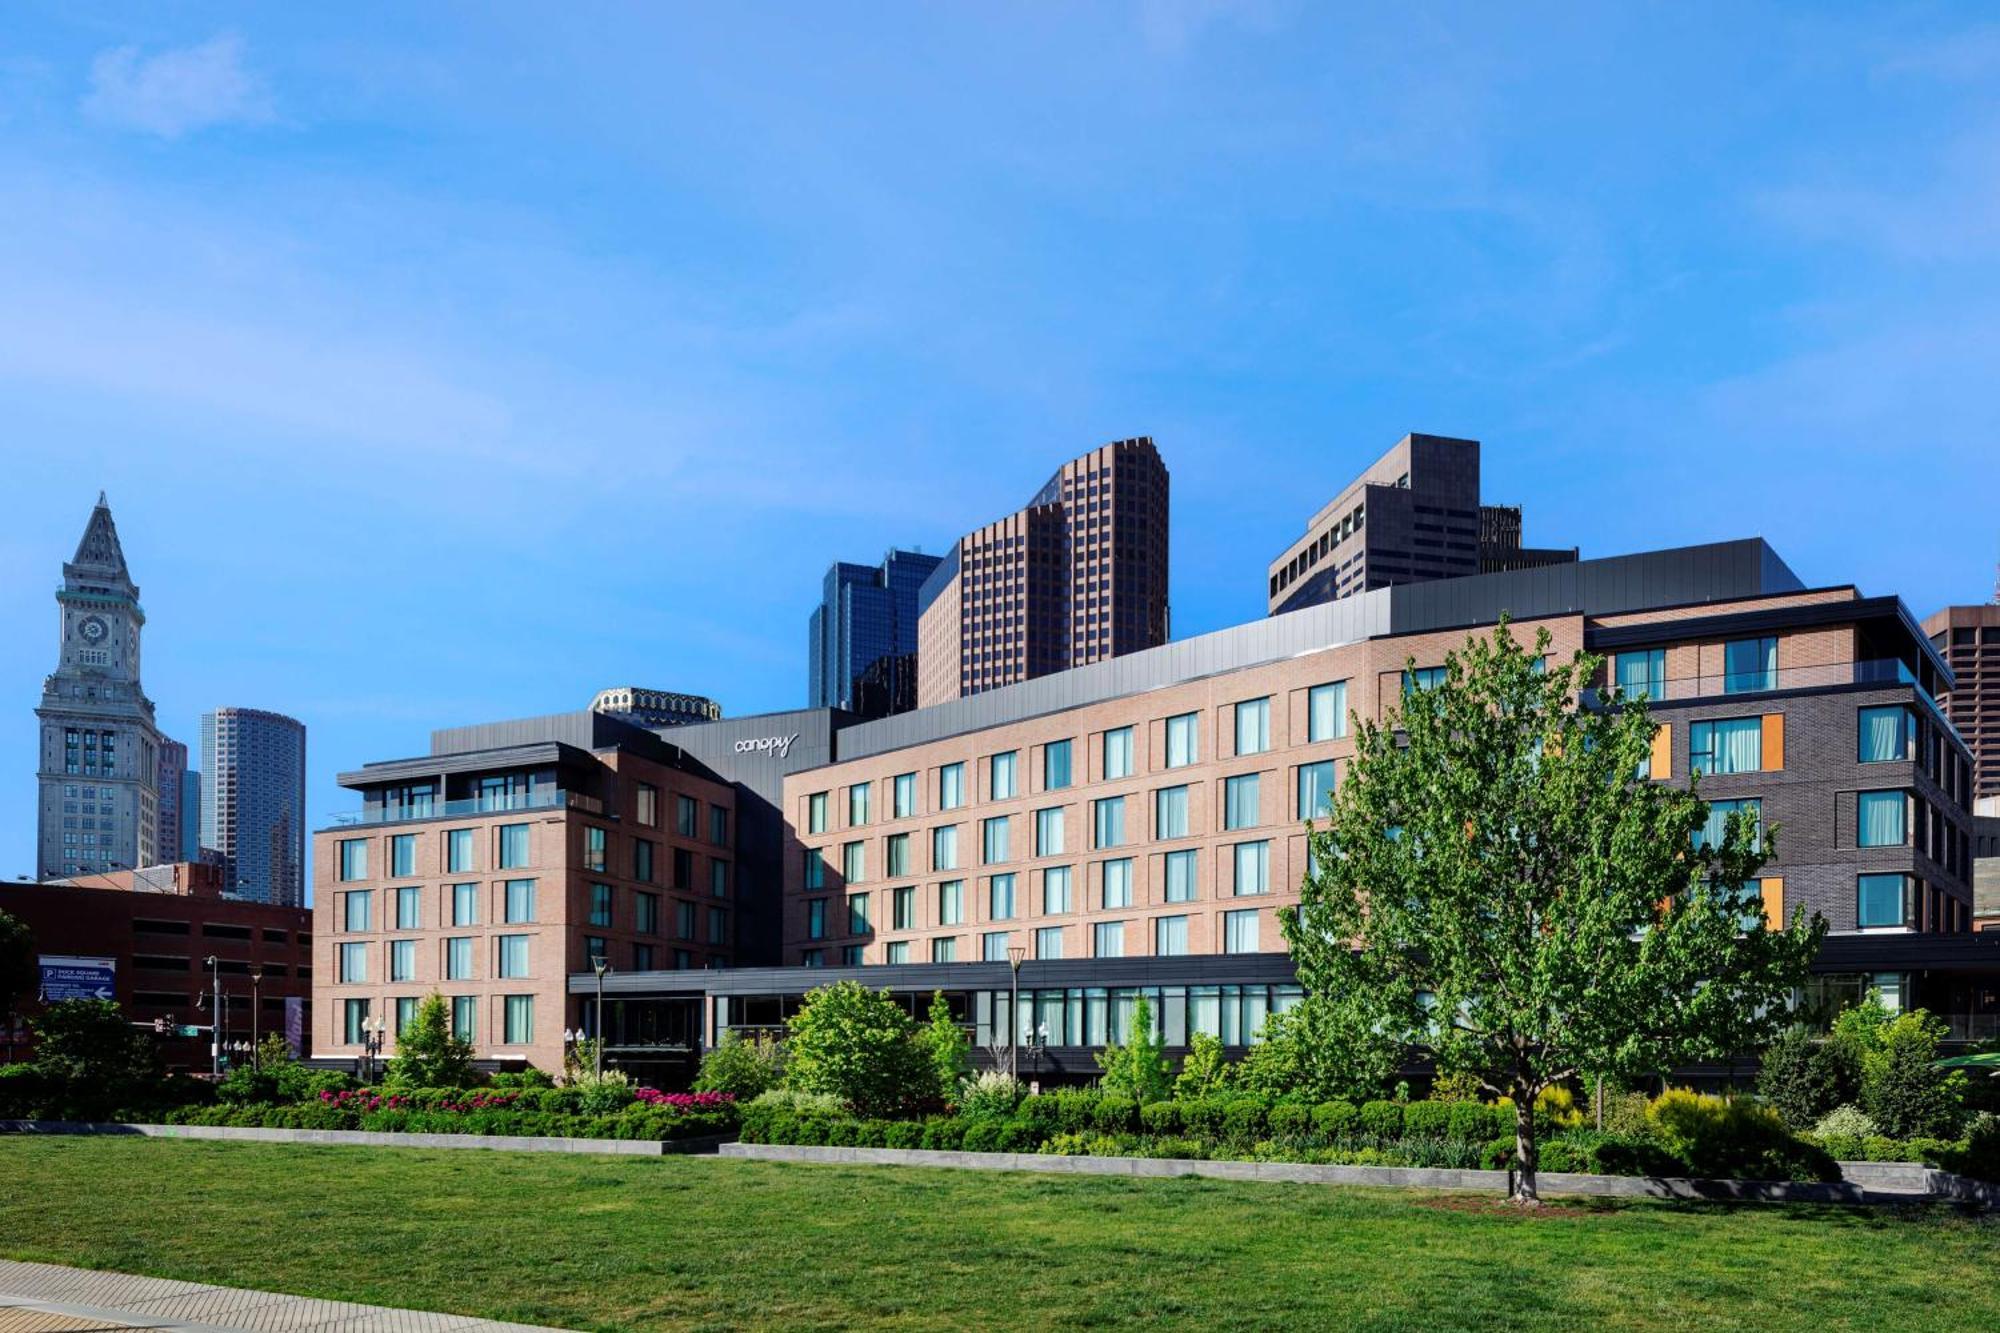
450 362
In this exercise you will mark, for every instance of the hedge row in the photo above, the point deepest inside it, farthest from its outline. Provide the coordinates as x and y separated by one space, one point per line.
636 1122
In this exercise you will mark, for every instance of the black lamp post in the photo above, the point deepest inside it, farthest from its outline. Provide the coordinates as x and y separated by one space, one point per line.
599 964
256 979
1016 955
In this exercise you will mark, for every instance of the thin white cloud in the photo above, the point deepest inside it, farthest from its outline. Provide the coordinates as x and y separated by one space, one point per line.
176 91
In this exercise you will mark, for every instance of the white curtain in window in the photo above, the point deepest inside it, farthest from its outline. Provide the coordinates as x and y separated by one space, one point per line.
1739 745
1880 818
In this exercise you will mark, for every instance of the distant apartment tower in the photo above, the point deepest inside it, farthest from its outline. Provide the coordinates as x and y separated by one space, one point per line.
1969 639
861 651
1077 575
655 708
253 778
1412 515
178 833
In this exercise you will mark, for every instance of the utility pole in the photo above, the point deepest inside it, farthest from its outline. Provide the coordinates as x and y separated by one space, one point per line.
215 1020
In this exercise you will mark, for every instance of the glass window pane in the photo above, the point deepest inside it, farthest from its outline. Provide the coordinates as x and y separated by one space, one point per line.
1749 664
1253 726
1326 712
1886 734
1055 765
1180 876
1316 789
1880 900
1183 745
1880 818
1240 801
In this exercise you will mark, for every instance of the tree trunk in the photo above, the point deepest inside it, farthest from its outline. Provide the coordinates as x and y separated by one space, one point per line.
1524 1146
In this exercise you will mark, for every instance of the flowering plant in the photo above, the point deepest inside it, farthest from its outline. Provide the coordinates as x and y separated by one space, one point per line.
685 1101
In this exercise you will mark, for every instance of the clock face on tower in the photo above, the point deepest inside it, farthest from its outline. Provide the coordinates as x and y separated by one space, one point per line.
92 629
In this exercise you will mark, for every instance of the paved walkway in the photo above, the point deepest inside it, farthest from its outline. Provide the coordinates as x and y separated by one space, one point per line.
48 1298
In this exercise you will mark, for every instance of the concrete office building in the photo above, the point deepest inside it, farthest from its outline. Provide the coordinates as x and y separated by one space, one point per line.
1078 575
1414 514
178 833
98 774
1969 638
492 869
861 640
253 801
654 708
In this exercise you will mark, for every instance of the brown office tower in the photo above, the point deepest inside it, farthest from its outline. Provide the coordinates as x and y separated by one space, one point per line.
1077 575
1969 639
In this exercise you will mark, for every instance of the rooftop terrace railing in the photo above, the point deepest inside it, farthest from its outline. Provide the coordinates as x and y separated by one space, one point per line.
553 799
1871 671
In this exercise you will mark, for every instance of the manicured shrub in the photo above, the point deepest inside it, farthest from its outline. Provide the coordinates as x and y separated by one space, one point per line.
1734 1139
1474 1122
1043 1111
903 1134
842 1133
944 1133
1846 1122
858 1045
1291 1120
1382 1119
1115 1115
1076 1109
1905 1091
1017 1136
1205 1116
1160 1118
1174 1148
1805 1077
982 1135
529 1077
1066 1145
1335 1118
1244 1120
1498 1154
743 1067
1429 1120
991 1095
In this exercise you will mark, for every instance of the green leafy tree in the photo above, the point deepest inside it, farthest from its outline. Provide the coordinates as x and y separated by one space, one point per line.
1204 1070
1805 1077
1905 1092
1497 888
428 1053
91 1043
947 1048
1307 1052
20 968
744 1067
1137 1069
858 1045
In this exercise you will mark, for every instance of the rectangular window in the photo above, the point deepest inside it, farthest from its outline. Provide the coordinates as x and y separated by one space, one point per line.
903 909
1422 678
1108 939
815 868
1735 745
518 1029
683 868
646 913
1253 726
816 812
1180 876
687 817
513 846
809 958
854 862
951 903
1716 829
951 786
1000 898
1117 885
1253 868
1048 942
944 950
993 840
857 805
718 879
1056 891
718 826
354 1013
1326 712
520 901
458 850
464 1016
1183 739
1882 901
465 904
1055 765
594 858
1000 775
642 860
406 1014
1749 664
683 921
1109 821
993 946
857 914
403 855
1881 819
944 848
646 804
354 917
1239 932
1049 832
1170 936
402 960
600 905
896 855
816 919
409 908
903 796
1887 734
354 962
513 956
1170 812
1316 789
458 958
1239 801
353 858
1118 753
898 951
1643 674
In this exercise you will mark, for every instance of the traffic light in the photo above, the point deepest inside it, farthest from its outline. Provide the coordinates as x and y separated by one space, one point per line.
159 1027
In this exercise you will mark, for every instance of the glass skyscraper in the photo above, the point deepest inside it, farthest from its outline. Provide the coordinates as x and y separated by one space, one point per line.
863 635
253 798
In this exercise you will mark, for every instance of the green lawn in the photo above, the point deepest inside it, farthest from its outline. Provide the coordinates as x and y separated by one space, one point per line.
700 1243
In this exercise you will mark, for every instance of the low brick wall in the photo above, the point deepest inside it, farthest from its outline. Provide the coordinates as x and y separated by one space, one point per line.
1936 1184
358 1138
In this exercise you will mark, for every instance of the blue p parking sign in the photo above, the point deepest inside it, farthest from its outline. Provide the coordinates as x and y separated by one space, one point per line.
78 978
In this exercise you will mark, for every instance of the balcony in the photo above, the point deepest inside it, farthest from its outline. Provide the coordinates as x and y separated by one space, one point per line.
1875 671
471 806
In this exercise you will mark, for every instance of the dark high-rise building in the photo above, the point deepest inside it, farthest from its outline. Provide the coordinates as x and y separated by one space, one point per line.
862 637
1414 514
1969 638
178 835
253 773
1077 575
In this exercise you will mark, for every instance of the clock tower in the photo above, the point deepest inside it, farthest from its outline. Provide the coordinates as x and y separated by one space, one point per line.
99 801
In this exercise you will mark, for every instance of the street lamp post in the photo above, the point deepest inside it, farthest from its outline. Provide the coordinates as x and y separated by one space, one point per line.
256 979
599 964
371 1044
1016 955
215 1019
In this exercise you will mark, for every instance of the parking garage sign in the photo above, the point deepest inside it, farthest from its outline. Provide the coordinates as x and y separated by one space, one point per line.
65 978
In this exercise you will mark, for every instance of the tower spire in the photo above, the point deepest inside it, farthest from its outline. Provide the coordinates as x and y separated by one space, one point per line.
99 557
